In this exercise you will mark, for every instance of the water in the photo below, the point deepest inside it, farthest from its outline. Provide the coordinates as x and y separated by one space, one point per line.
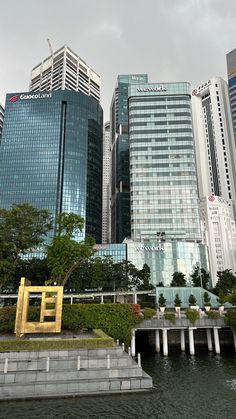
187 387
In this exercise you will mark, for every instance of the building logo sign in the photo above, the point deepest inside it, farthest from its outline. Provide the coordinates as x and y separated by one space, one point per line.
99 247
211 198
15 98
152 89
149 248
195 92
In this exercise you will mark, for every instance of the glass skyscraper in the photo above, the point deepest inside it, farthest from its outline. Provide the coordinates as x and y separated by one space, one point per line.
120 175
51 155
163 182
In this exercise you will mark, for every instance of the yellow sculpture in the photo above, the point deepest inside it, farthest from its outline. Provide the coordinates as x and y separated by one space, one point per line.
52 295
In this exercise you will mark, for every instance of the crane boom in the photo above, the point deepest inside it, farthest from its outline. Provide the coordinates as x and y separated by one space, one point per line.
50 46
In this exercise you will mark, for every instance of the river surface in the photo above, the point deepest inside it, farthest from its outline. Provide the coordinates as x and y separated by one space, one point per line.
186 387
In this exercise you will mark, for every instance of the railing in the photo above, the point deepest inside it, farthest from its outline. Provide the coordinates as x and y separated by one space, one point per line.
179 323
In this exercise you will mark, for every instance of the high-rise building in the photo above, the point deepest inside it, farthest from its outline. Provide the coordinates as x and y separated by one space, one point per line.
51 155
65 70
231 69
106 183
214 137
219 232
120 177
163 180
1 119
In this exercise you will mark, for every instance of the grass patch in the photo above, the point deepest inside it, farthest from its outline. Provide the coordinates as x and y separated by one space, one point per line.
101 340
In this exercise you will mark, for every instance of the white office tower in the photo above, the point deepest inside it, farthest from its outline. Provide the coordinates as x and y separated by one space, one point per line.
65 70
106 183
231 69
219 233
214 138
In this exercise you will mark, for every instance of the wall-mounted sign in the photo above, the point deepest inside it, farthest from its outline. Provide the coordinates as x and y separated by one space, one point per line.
195 92
213 198
152 89
15 98
149 248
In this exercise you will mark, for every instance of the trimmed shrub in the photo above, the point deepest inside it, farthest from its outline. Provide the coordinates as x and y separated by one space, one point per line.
192 315
192 300
213 314
171 317
149 312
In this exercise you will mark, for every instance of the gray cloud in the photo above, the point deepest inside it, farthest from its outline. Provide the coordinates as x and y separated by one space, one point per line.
171 40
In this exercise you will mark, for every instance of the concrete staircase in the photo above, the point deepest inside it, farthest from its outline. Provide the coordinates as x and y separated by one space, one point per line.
55 373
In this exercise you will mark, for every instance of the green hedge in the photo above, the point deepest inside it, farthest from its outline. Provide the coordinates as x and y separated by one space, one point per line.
230 319
116 320
149 312
100 341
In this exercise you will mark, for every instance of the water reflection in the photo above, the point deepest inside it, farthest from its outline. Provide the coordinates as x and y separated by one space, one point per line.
188 387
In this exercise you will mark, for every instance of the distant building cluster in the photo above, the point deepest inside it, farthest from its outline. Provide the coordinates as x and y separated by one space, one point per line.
156 184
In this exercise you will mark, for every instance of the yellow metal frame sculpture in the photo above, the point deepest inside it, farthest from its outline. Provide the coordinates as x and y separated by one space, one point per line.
52 295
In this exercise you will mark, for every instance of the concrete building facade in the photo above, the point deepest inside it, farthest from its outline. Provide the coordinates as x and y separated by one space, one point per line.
65 70
214 138
219 233
231 70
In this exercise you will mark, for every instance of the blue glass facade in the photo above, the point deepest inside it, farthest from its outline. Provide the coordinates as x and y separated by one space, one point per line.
51 155
118 251
120 187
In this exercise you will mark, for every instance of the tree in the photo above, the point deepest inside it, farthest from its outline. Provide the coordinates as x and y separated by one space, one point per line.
177 301
162 300
226 283
65 254
22 227
200 277
178 280
36 270
144 276
192 300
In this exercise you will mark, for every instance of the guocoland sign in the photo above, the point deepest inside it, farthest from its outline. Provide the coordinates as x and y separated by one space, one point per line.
33 96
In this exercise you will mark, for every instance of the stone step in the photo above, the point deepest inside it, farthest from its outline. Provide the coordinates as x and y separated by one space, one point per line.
66 353
73 388
27 377
64 364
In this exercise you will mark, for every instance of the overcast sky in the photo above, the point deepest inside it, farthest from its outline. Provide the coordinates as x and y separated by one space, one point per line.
171 40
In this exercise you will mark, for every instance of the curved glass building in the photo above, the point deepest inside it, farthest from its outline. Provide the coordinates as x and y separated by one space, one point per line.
51 155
